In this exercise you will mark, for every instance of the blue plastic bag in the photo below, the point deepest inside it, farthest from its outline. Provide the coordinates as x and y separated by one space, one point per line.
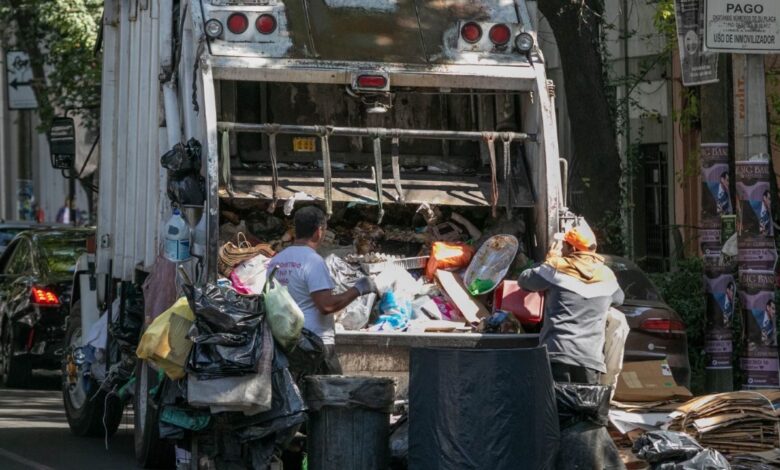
395 313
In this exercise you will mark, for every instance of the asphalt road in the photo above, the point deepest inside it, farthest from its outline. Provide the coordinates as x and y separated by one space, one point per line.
34 433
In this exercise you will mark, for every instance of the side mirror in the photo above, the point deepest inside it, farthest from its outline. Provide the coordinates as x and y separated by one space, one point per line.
62 143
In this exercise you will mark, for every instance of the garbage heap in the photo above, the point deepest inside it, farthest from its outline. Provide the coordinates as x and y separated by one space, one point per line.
436 273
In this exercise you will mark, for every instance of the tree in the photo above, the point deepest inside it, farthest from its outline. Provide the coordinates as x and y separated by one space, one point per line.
59 36
595 167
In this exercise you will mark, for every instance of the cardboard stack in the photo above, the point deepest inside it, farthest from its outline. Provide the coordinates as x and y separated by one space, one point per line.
734 422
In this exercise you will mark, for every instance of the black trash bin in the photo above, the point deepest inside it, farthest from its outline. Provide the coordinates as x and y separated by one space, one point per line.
349 422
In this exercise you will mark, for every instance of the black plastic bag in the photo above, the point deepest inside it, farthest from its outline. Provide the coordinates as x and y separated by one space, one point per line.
578 402
126 327
182 160
370 393
708 459
481 409
220 310
188 190
209 360
665 446
399 444
307 356
586 446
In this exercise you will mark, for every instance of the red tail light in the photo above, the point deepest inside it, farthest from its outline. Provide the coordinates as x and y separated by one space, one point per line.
371 81
45 297
237 23
471 32
265 24
500 34
661 325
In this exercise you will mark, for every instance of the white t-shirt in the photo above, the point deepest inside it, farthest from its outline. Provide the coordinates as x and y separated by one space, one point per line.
303 271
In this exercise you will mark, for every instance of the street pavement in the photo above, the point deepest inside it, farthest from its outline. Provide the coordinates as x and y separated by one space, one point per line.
34 433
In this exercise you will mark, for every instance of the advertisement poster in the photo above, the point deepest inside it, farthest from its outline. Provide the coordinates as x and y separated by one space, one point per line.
698 66
716 199
759 361
721 291
754 211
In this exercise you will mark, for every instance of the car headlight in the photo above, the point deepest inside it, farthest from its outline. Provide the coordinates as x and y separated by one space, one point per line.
213 28
524 42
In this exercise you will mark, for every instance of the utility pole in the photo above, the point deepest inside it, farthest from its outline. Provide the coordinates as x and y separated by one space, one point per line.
718 275
757 252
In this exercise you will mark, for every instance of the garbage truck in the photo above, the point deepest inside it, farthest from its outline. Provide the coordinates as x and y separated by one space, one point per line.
379 103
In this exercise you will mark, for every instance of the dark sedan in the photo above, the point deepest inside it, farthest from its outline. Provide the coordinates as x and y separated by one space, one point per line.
36 272
657 331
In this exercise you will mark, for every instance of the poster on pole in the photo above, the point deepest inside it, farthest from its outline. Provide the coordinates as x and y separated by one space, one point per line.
742 26
699 66
759 360
721 291
715 178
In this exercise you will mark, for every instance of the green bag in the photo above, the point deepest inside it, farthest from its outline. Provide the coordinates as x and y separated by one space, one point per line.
284 316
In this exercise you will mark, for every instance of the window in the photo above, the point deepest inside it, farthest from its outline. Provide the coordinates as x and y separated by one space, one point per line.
19 262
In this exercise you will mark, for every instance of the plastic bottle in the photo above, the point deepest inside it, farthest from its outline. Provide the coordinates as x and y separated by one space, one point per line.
199 237
177 238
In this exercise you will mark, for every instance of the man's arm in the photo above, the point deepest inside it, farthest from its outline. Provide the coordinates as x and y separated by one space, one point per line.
618 297
327 302
532 281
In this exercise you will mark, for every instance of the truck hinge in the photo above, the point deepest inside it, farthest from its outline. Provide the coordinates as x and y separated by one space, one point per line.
105 241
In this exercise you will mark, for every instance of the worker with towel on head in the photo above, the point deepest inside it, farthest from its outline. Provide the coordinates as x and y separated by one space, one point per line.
578 291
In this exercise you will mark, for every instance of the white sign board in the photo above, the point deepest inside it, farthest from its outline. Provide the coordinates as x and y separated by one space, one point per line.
19 79
742 26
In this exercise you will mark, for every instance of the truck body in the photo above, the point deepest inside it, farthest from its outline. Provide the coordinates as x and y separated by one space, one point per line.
316 97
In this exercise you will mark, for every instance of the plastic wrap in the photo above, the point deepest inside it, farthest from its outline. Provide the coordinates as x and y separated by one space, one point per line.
478 409
449 256
587 446
372 393
285 317
708 459
355 315
577 402
399 444
663 446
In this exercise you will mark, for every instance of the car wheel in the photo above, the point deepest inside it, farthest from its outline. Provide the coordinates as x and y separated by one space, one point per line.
88 411
150 450
15 371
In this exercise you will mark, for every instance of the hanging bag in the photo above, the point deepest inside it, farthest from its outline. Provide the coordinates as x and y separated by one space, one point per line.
231 254
284 316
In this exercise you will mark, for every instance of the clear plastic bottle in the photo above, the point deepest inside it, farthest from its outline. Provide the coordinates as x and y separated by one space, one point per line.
177 238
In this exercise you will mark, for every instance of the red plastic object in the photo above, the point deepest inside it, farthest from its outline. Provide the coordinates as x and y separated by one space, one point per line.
527 307
371 81
265 24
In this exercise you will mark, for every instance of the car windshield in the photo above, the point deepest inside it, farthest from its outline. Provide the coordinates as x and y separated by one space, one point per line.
634 282
8 234
59 254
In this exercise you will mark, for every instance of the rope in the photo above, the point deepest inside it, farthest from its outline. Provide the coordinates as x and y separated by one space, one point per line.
395 152
489 139
274 172
326 167
378 176
508 183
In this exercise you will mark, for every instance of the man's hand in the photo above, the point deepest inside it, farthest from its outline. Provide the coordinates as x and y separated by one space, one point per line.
365 285
555 249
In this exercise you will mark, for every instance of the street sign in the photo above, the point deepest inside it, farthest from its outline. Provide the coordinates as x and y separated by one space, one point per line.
19 77
62 143
742 26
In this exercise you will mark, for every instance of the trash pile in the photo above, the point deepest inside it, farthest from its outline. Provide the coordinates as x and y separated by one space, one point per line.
229 385
734 422
430 278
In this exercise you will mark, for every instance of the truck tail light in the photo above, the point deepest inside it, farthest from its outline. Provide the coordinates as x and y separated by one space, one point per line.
471 32
500 34
44 297
372 81
213 28
663 326
265 24
237 23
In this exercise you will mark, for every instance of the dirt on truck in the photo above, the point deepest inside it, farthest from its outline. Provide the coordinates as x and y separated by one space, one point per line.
408 122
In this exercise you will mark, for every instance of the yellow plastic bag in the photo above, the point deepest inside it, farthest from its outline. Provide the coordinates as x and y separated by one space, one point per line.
284 316
165 342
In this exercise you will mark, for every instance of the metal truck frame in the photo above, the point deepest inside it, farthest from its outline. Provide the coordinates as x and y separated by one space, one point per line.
166 66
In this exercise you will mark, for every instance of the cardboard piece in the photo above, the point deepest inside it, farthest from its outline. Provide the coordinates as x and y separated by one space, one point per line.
648 381
453 288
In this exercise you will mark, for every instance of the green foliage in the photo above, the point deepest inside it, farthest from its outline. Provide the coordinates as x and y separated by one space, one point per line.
683 290
60 37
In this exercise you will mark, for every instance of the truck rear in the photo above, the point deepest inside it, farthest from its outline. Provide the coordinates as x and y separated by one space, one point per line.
382 104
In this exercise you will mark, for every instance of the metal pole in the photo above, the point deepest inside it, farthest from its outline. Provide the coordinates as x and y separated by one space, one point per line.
372 132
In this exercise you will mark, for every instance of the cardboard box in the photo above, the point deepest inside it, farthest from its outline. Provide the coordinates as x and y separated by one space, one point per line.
453 288
648 381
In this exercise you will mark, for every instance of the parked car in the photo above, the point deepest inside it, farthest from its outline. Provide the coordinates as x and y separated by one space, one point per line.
657 331
9 230
36 273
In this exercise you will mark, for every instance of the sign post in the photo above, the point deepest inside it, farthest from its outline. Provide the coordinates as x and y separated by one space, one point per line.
19 81
742 26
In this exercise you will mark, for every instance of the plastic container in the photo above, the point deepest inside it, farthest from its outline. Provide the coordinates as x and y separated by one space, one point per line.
177 238
349 422
199 237
527 307
490 265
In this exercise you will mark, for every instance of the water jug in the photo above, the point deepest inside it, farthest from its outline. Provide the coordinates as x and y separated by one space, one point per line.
177 238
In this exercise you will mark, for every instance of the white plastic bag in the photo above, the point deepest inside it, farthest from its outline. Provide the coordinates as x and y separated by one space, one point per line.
284 315
251 274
